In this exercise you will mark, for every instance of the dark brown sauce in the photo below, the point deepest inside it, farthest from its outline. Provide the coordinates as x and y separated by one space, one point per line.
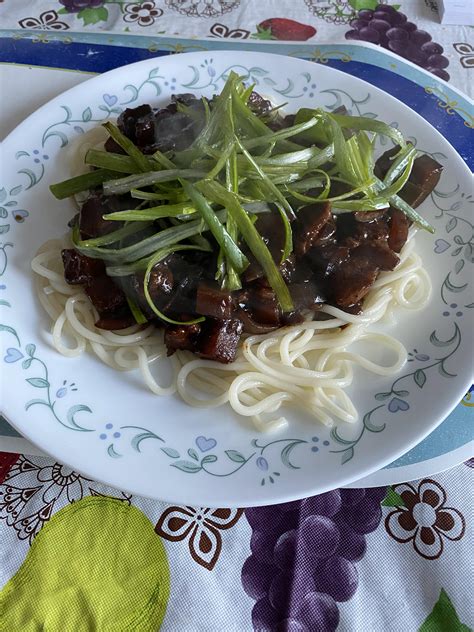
336 259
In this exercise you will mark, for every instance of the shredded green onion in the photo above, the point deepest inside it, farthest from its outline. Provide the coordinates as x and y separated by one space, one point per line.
155 212
233 253
157 241
207 197
157 257
252 237
114 162
126 144
151 196
124 185
267 181
137 313
85 181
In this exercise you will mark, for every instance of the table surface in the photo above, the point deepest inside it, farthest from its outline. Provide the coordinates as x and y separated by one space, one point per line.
400 564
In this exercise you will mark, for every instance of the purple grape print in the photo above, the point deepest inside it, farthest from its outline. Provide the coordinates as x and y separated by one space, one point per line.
396 33
318 611
291 625
261 518
350 497
264 618
286 550
288 589
431 48
256 577
327 504
376 493
389 28
320 536
366 519
262 545
74 6
352 545
338 578
304 556
291 506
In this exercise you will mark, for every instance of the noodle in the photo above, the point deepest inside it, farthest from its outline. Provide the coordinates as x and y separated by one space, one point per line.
306 365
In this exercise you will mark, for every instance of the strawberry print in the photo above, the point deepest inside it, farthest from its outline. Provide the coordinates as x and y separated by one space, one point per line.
284 29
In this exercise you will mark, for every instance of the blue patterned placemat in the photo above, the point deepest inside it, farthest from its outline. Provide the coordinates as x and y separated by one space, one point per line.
441 105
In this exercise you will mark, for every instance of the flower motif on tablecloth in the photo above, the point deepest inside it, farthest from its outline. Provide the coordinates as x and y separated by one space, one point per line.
200 527
30 493
61 479
143 13
466 51
203 8
336 11
47 21
425 520
223 31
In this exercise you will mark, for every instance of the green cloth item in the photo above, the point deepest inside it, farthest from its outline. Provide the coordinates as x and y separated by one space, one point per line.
96 565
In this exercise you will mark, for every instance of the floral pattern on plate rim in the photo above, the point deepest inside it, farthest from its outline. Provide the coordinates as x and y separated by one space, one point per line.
229 461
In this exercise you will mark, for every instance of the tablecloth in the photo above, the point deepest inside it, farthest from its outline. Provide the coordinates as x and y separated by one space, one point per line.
446 50
78 555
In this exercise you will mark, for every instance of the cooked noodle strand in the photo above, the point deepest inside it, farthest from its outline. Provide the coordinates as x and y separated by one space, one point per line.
307 365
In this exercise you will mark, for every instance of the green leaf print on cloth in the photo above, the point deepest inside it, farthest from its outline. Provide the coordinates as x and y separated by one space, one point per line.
96 565
443 617
92 15
392 499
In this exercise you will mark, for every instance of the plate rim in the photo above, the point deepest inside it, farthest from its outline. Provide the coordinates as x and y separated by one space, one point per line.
344 480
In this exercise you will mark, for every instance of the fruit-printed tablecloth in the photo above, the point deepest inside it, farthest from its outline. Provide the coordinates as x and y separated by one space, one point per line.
76 555
410 28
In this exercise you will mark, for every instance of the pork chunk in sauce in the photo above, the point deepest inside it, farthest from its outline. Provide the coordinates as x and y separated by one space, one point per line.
336 257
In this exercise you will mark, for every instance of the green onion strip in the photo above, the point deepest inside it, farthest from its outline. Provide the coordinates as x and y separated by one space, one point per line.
208 195
157 257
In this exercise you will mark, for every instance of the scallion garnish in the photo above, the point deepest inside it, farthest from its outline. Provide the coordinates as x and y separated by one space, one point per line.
155 212
85 181
114 162
124 185
252 238
137 313
157 257
207 196
232 252
127 145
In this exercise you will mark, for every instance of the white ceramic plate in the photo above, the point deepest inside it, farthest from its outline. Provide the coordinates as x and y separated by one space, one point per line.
107 425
